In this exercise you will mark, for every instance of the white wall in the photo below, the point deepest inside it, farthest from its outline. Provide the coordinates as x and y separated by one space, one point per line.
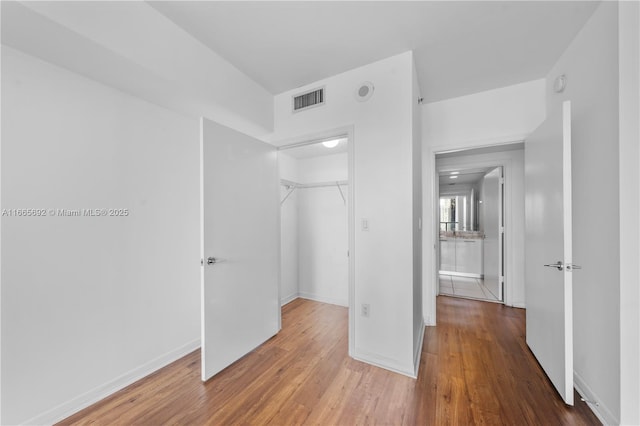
325 168
494 117
92 303
323 269
382 185
149 56
629 92
591 66
513 163
288 168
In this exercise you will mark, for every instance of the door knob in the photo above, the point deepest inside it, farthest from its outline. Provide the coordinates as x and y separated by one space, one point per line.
558 265
211 260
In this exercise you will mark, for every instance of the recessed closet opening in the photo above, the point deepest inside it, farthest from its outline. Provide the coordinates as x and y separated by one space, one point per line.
314 189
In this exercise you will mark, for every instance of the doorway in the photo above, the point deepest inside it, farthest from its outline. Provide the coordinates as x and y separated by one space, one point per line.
316 236
471 165
314 189
470 232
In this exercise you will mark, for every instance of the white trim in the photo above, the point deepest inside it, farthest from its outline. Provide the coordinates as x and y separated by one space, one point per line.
98 393
311 142
313 138
384 363
467 145
434 288
417 352
279 308
602 412
351 226
567 249
202 256
321 299
289 299
461 274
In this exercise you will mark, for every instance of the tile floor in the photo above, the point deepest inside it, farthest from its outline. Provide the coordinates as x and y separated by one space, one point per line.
472 288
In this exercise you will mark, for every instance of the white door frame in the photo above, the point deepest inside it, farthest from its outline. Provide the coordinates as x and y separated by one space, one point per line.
508 245
317 137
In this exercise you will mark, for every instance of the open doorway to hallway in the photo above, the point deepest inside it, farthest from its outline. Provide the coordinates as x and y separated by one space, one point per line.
479 219
471 233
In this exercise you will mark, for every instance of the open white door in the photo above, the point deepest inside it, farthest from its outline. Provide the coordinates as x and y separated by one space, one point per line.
240 245
548 262
492 208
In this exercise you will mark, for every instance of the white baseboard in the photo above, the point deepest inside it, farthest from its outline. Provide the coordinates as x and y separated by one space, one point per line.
601 411
289 299
429 322
418 352
314 297
322 299
383 362
98 393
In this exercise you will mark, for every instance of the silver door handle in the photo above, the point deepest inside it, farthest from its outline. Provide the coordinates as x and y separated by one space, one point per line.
558 265
571 266
211 260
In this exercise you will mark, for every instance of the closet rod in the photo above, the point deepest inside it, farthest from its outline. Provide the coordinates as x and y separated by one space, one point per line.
292 184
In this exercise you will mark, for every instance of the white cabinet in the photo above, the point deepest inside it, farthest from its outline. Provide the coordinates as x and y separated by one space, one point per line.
447 254
469 255
461 255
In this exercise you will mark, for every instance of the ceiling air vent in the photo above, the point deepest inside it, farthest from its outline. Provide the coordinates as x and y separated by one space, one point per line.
307 100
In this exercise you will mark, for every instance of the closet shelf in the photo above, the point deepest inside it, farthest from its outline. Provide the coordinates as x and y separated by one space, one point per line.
290 183
292 186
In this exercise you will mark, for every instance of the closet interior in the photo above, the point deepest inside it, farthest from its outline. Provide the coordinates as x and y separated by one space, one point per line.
314 180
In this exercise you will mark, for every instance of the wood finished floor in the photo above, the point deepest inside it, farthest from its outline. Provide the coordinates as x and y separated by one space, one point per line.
475 369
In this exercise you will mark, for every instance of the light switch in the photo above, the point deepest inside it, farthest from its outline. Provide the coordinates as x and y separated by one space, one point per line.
365 310
365 224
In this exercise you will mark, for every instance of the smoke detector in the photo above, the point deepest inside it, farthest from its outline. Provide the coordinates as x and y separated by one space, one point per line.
364 91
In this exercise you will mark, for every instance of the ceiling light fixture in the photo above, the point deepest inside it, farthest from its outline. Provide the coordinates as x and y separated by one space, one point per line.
453 177
332 143
455 173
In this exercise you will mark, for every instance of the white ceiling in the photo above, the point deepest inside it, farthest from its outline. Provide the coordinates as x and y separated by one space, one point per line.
461 47
464 176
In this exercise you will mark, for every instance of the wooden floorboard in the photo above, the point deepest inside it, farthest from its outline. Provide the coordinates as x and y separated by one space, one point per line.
475 369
